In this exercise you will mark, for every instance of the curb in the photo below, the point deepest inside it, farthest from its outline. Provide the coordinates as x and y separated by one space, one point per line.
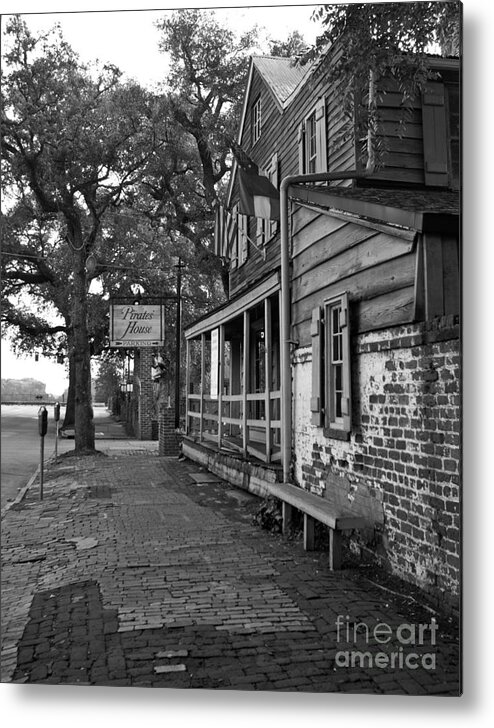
24 489
21 494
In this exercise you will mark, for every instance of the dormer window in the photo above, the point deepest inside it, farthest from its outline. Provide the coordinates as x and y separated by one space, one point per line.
256 120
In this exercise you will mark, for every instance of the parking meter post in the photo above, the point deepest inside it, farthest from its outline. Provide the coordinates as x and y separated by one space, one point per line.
56 415
42 429
41 458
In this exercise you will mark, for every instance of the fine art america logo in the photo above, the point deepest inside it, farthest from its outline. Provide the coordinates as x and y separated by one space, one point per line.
405 646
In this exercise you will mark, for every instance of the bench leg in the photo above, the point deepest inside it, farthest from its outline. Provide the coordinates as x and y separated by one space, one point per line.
334 549
286 511
309 523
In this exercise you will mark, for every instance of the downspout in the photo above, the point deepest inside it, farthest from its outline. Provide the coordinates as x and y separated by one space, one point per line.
286 372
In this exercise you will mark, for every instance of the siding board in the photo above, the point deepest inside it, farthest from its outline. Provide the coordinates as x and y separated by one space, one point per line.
391 309
370 253
392 276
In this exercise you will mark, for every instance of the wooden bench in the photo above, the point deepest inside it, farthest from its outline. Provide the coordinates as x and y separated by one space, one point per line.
314 509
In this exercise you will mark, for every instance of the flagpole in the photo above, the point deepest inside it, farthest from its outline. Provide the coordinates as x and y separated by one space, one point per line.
286 372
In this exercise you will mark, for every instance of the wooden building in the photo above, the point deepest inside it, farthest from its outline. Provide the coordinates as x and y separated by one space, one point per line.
335 364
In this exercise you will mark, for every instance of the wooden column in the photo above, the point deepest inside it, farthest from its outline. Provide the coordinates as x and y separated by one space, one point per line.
245 383
221 379
267 376
187 384
203 378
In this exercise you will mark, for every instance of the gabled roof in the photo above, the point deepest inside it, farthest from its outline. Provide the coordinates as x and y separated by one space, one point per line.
281 75
282 78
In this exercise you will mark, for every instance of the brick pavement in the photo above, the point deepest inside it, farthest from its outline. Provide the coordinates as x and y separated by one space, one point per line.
129 573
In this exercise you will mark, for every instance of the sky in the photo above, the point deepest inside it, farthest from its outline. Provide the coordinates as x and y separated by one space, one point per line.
118 33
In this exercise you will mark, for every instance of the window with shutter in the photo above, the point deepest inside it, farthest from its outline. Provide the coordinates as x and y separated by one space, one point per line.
312 142
256 120
330 402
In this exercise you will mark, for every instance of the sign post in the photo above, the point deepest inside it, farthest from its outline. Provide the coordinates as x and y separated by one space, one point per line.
42 429
56 415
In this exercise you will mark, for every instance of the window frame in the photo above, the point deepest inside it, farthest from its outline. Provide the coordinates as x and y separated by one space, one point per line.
337 375
256 120
313 133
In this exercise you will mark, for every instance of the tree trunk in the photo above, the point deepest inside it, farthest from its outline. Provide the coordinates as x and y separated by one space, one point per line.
84 426
69 418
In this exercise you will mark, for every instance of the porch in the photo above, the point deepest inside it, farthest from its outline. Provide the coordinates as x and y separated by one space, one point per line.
233 400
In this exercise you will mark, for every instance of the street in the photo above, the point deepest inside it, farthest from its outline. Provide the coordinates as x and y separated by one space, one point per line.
21 446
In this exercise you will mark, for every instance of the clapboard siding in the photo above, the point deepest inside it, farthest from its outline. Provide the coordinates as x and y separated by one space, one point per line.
316 272
393 308
331 256
394 277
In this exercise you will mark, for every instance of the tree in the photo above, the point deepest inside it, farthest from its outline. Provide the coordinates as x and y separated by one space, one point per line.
293 47
209 69
363 44
73 142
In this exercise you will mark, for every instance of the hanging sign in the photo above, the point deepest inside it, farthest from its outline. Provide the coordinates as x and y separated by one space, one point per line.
136 325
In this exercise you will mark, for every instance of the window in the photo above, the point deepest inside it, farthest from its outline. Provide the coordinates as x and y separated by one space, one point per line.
256 120
310 144
312 141
330 402
265 229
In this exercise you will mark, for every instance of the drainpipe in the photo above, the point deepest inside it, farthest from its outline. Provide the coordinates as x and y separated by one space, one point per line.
286 372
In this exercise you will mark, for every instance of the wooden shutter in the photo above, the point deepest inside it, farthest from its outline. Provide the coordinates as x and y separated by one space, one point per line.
234 253
273 176
301 148
316 402
321 139
346 403
435 135
243 243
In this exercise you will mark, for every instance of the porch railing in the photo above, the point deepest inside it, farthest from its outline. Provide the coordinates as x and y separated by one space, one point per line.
246 423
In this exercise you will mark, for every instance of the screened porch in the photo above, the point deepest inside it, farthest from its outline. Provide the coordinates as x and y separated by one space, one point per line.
233 379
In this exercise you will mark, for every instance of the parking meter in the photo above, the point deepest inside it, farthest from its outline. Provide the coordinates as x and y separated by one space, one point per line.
42 429
42 421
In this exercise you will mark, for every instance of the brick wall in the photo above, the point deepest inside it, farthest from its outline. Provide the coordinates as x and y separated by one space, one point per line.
146 404
402 462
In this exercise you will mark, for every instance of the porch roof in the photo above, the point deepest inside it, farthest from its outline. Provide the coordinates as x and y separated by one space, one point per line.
419 210
234 307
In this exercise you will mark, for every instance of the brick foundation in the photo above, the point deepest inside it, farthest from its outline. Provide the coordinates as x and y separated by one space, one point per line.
167 435
402 462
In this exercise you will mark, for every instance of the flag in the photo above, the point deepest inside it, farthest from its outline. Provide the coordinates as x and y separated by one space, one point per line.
243 160
225 230
258 196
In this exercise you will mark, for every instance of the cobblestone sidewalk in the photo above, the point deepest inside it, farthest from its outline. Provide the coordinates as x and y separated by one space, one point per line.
129 572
